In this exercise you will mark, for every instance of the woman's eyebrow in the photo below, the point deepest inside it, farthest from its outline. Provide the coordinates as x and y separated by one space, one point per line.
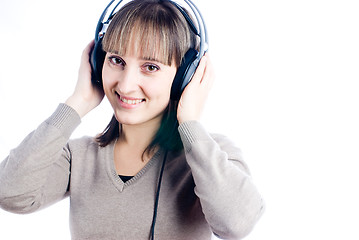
145 58
152 59
114 53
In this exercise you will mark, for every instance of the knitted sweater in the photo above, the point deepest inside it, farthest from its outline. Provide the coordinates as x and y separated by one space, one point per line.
206 188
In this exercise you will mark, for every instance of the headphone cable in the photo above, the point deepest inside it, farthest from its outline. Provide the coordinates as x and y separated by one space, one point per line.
152 237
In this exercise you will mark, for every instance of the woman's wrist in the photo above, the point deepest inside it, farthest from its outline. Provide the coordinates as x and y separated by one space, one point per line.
79 105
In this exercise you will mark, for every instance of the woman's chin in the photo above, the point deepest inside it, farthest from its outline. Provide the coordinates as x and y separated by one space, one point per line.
134 119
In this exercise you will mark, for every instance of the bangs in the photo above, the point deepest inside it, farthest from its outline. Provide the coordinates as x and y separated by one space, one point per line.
149 32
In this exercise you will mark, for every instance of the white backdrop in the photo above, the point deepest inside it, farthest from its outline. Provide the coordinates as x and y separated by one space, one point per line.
286 92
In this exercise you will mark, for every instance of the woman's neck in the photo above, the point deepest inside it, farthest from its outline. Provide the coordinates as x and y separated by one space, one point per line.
139 136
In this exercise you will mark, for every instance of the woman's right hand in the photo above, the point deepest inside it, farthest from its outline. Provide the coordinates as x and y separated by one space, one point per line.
86 96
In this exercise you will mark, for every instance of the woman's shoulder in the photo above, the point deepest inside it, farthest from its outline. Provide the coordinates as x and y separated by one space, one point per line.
83 143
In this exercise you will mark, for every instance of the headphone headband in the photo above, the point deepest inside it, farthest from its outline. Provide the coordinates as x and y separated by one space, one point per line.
201 31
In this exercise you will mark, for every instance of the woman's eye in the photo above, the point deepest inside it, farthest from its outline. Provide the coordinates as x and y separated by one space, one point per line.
151 68
116 61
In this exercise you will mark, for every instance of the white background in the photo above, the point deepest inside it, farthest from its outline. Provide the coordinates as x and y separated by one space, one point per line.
286 92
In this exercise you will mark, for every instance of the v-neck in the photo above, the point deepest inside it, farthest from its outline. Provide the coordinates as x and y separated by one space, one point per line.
112 173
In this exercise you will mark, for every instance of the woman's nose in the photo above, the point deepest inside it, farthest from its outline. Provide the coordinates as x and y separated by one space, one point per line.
128 81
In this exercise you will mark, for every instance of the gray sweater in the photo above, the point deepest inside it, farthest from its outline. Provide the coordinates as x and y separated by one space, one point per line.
206 188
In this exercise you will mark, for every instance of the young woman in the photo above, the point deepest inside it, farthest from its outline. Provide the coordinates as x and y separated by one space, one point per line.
155 171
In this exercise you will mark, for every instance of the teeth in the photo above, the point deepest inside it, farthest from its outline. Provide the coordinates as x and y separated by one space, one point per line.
129 101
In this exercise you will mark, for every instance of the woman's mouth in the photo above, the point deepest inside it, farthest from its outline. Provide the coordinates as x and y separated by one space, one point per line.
129 102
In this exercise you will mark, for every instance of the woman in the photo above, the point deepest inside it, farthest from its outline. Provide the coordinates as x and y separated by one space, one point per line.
147 175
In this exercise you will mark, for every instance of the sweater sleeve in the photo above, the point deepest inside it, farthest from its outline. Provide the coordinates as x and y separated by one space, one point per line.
229 199
36 173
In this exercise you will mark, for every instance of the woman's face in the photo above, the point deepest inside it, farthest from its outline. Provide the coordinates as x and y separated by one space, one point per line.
138 89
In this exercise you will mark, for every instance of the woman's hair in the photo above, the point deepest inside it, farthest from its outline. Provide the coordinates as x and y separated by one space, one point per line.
152 29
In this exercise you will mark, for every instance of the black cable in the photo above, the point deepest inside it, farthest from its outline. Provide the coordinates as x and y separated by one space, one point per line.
152 237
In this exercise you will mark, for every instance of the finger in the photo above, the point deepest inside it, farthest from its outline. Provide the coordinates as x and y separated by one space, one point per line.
90 45
197 77
88 49
208 74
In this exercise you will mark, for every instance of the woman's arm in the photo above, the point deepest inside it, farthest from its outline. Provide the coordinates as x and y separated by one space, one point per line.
36 173
229 199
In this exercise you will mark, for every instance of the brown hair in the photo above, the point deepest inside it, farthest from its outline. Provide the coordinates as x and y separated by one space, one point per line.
153 29
156 29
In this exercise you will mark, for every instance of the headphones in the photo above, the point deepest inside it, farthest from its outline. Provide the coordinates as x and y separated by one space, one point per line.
189 62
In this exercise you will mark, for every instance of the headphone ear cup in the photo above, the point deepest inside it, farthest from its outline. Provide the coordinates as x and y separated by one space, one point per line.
97 60
184 73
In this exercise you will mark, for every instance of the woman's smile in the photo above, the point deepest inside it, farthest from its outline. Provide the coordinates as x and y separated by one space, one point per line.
129 102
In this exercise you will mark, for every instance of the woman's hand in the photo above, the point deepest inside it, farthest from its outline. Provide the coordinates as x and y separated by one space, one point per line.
196 92
86 96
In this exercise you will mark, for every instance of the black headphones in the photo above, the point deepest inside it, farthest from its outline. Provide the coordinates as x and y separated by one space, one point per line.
189 62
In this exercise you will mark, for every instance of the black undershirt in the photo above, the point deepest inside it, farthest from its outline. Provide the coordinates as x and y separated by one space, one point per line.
125 178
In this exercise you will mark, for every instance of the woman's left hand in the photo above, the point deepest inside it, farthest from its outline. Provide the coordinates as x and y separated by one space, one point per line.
195 94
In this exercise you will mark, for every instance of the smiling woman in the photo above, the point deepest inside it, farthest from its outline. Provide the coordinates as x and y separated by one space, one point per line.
147 175
286 92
